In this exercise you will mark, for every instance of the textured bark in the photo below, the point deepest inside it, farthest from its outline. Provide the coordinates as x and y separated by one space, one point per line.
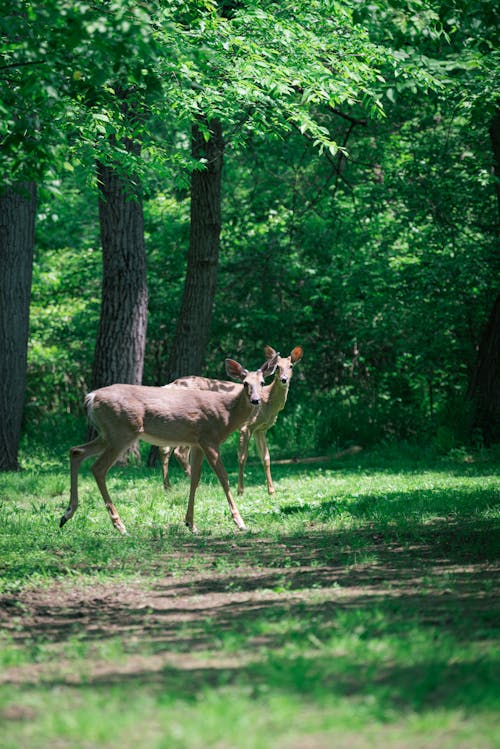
193 327
121 338
17 238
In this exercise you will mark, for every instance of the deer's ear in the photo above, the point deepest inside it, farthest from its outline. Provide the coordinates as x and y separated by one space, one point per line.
296 354
269 352
269 367
235 370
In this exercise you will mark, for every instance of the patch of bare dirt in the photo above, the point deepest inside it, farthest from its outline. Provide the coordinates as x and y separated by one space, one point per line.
184 619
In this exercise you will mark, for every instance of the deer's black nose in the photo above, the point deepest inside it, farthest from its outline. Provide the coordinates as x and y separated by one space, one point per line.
255 401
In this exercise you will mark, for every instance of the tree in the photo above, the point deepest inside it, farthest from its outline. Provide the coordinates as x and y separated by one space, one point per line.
121 338
57 60
187 355
477 30
27 143
484 385
17 230
193 327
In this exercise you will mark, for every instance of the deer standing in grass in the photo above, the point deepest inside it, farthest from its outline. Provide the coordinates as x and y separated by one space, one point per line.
123 414
259 422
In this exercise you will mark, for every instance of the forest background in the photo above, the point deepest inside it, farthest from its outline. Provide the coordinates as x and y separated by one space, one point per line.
189 181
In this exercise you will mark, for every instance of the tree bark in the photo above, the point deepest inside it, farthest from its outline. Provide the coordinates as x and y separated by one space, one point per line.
187 355
17 240
121 337
484 386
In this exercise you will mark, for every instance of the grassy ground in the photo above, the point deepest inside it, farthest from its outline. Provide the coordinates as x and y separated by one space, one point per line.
359 610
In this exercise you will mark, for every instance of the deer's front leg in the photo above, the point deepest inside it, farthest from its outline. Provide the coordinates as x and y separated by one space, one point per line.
261 442
196 463
213 457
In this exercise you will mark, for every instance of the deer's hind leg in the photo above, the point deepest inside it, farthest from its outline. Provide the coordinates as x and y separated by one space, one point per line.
165 453
181 453
77 455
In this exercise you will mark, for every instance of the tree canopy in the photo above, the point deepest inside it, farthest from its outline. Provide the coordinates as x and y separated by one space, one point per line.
359 209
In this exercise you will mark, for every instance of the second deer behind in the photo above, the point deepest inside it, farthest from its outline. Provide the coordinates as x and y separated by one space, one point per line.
274 397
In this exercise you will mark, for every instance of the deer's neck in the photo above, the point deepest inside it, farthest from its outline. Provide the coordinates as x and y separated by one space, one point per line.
243 409
277 394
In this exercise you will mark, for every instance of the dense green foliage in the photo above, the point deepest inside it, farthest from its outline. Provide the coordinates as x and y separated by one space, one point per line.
359 213
358 610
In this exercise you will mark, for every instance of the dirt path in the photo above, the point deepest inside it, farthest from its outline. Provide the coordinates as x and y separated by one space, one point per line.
186 621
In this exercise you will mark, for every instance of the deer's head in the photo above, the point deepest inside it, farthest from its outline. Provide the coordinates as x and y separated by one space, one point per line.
284 364
253 382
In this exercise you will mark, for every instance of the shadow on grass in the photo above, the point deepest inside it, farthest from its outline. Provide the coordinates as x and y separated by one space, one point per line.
428 678
309 615
430 685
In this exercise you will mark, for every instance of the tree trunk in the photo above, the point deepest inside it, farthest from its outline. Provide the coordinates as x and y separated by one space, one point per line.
484 386
495 144
187 355
121 338
17 239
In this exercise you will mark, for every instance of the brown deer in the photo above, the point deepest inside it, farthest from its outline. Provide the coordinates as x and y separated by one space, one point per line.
161 416
273 401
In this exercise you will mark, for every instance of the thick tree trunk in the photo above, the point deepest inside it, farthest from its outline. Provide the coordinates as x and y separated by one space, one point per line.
121 338
484 387
17 239
193 327
187 355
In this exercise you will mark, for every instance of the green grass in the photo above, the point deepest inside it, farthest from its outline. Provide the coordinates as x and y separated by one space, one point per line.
360 608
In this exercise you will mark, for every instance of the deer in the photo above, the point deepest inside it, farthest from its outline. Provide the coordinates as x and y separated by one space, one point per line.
160 416
274 398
